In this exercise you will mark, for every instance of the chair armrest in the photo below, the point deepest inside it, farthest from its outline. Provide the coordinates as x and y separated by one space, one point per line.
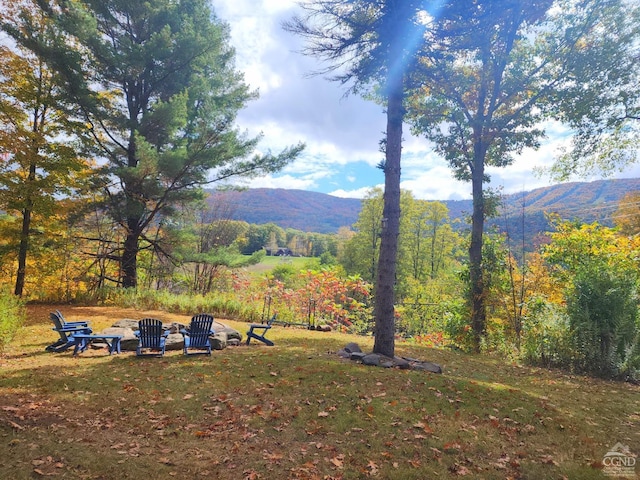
74 324
71 329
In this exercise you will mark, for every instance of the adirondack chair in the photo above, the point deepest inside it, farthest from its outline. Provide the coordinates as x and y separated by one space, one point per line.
151 337
66 330
196 337
264 328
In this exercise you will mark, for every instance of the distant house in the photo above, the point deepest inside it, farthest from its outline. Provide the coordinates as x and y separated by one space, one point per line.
279 252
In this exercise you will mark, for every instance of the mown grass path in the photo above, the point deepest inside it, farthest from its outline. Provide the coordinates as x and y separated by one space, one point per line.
296 411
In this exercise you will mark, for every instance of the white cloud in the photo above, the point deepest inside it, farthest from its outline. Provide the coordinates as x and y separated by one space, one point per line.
358 193
285 181
342 133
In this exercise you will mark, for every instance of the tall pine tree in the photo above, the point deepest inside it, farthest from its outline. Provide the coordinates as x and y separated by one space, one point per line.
155 81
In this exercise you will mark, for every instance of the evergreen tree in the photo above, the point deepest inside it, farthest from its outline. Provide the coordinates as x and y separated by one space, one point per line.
155 81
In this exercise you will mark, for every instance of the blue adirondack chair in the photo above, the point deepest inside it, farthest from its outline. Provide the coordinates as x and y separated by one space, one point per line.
151 337
196 337
66 330
254 328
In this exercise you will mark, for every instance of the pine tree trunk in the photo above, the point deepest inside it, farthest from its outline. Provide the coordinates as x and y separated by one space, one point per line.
476 277
130 256
386 276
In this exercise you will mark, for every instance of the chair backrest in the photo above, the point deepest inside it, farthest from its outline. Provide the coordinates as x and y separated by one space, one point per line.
200 329
151 333
58 321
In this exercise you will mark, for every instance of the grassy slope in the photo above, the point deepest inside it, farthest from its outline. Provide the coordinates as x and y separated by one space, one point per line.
296 411
268 263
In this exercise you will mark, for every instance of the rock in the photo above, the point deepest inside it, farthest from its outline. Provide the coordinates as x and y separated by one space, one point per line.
428 367
401 363
372 359
126 323
175 341
224 335
219 340
324 328
352 347
129 341
357 356
231 332
353 352
173 327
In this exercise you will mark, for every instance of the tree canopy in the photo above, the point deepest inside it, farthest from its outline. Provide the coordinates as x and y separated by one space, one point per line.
156 83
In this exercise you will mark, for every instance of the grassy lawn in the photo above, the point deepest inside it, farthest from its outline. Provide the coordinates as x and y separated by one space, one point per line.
296 411
268 263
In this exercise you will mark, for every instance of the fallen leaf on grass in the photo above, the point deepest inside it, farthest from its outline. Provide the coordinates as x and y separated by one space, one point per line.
273 457
459 470
338 461
323 414
44 474
549 460
427 429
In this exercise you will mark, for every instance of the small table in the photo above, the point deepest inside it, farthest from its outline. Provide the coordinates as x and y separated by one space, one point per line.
82 341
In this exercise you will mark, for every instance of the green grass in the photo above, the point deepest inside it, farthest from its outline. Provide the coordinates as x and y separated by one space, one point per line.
268 263
297 411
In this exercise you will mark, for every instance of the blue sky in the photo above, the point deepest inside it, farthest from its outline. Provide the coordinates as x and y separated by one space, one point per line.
342 133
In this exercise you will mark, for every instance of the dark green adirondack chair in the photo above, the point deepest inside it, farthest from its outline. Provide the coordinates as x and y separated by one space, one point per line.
196 337
66 330
151 337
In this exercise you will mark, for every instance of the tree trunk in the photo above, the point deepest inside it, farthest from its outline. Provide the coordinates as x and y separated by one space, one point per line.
476 277
24 235
22 252
130 256
386 276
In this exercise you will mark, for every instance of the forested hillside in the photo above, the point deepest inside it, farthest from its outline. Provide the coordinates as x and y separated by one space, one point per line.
299 209
318 212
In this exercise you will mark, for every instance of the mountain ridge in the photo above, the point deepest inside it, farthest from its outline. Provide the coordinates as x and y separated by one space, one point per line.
322 213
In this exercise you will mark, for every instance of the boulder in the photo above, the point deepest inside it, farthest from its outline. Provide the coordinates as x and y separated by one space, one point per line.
372 359
129 341
353 352
175 341
219 340
401 363
428 367
231 332
352 347
223 336
126 323
357 356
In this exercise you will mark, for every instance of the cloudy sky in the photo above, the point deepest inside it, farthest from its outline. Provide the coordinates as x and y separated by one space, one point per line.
341 133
